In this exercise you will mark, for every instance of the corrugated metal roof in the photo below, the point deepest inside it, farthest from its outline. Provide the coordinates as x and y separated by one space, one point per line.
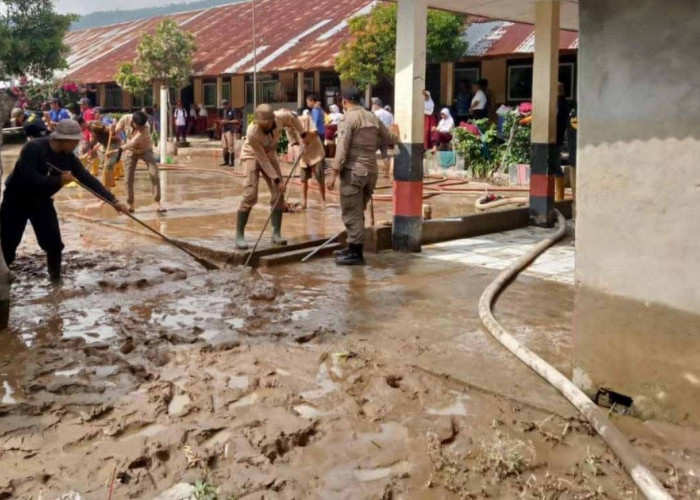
487 38
299 34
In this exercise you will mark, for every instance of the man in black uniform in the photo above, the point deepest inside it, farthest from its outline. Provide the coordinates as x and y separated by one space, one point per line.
32 124
230 127
30 187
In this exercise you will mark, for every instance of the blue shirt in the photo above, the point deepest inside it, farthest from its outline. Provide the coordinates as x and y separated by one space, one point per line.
59 116
317 116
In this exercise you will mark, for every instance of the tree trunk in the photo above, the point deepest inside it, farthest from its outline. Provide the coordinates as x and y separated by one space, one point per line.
7 101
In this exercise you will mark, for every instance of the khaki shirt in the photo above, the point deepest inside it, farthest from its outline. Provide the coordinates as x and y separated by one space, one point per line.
314 152
360 134
261 146
138 138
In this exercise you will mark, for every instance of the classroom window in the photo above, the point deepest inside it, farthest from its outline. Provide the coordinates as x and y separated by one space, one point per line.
142 101
209 93
226 91
113 98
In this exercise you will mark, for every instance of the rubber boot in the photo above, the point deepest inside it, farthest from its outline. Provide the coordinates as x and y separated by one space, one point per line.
226 159
53 261
95 167
241 221
344 251
232 159
119 170
276 221
559 186
108 178
354 257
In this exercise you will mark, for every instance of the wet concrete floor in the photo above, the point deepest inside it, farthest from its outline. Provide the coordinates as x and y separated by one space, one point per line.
310 381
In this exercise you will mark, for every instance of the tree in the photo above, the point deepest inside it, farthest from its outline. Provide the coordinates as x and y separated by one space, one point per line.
31 43
164 57
370 56
31 38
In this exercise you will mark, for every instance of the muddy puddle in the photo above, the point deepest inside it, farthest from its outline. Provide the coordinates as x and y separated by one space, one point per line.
143 371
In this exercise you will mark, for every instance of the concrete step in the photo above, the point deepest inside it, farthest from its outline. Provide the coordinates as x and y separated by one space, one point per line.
296 255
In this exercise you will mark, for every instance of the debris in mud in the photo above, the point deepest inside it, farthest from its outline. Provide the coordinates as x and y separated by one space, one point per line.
264 290
223 341
505 457
181 491
96 412
394 381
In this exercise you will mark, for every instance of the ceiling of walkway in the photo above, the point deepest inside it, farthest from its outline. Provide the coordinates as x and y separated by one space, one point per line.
509 10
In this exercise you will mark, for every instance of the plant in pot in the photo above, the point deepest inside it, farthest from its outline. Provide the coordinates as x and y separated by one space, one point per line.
516 155
477 146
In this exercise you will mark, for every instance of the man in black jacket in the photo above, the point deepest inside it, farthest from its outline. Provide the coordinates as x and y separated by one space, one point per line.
31 186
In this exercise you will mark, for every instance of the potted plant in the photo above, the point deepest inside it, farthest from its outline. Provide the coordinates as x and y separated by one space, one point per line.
476 147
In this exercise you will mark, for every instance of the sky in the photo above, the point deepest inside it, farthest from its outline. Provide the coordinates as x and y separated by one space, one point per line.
83 7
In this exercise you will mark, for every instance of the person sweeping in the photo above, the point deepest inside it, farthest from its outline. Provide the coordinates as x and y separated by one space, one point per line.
30 188
259 159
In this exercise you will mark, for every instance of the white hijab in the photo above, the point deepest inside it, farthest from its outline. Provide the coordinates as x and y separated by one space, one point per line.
335 115
446 125
429 104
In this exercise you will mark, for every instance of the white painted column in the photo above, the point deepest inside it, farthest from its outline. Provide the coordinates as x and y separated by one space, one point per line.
163 144
219 91
300 90
408 104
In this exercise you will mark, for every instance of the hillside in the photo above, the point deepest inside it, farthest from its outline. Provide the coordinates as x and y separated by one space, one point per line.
105 17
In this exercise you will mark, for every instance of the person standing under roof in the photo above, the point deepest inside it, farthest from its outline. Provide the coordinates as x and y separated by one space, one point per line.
479 105
180 116
230 125
429 121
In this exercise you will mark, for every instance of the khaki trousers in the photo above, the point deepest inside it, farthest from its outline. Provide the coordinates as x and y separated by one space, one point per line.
251 184
130 161
228 142
355 193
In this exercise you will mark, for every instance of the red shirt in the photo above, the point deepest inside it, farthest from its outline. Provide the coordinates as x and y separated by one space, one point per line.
88 116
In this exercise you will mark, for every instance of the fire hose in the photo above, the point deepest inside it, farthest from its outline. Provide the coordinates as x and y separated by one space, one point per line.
644 479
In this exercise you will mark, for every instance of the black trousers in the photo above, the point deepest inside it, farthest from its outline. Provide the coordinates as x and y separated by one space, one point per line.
14 214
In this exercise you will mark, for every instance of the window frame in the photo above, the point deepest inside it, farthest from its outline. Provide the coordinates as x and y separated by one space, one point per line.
207 103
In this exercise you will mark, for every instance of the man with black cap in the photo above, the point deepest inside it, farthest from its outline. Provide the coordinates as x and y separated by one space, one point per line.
32 124
30 187
230 126
259 157
360 134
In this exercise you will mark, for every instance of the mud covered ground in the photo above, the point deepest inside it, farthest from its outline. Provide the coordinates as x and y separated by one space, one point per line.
143 371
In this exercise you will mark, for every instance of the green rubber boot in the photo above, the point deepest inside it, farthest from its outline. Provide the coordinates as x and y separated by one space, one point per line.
241 221
276 221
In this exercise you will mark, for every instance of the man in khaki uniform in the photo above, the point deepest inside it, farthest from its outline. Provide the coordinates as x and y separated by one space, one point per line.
259 157
360 134
139 146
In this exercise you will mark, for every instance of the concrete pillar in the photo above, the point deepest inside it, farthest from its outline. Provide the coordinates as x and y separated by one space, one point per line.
126 100
545 162
637 304
156 93
219 91
495 71
409 84
238 91
317 83
198 92
368 96
300 90
101 94
447 83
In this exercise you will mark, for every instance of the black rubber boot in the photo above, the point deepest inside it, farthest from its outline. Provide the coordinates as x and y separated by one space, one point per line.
241 221
226 159
344 251
53 261
354 257
276 221
232 159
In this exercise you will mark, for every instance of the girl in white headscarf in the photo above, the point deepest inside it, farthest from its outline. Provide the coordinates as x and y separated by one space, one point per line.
442 133
429 121
334 118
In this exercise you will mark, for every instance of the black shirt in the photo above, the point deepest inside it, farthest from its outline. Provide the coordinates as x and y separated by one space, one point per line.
231 114
32 177
34 126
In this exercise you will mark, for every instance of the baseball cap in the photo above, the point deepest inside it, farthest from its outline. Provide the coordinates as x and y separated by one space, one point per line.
68 130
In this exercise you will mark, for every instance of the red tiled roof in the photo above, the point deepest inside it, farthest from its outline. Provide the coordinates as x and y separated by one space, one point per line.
489 38
291 34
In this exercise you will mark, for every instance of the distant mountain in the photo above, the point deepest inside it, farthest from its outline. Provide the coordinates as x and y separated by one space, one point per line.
106 17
